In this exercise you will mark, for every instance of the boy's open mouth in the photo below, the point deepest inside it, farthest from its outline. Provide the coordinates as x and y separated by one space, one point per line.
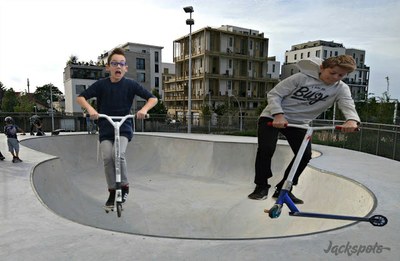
118 72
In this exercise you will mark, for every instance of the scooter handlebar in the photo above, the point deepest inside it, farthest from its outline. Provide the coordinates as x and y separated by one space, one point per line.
121 118
336 127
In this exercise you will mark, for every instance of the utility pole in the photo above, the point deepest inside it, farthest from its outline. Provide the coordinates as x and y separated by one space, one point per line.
387 87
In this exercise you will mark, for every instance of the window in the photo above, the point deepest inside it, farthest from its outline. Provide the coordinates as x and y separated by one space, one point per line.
273 68
308 54
230 64
140 64
295 56
336 53
156 57
230 41
157 82
141 77
156 68
301 56
318 53
325 53
79 88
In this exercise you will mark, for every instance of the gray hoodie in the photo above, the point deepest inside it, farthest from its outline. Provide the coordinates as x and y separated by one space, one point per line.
302 97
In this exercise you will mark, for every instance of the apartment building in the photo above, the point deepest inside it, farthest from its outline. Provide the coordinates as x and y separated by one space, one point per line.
229 65
358 80
144 63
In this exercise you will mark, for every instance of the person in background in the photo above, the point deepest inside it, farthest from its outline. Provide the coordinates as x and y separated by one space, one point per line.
11 130
36 123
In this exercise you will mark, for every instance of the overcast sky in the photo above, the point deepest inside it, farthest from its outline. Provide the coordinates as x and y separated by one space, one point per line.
37 37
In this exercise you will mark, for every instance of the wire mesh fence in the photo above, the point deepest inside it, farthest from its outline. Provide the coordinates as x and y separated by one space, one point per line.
377 139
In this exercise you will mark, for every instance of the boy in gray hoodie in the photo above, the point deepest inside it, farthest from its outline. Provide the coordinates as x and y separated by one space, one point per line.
299 99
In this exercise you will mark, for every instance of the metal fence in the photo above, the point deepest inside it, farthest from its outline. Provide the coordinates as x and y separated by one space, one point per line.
377 139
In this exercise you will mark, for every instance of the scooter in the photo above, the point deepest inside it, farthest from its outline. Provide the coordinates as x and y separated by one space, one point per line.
275 211
117 125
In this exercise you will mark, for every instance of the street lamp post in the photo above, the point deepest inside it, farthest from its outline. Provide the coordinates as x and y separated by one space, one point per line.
190 22
51 108
240 112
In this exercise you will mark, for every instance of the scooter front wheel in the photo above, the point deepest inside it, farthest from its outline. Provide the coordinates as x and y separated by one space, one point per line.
275 211
378 220
119 209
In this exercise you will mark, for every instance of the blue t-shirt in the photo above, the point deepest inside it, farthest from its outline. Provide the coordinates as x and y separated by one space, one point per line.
11 131
115 99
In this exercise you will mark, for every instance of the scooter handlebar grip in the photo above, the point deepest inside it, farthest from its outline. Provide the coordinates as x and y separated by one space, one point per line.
339 127
270 124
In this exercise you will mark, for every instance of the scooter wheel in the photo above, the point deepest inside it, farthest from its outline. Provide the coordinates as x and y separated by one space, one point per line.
275 211
378 220
119 209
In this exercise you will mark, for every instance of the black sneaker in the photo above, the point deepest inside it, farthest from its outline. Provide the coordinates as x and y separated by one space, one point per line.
125 192
259 193
111 199
291 196
2 157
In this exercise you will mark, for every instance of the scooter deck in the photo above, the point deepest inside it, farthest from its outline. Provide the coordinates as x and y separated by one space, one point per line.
376 220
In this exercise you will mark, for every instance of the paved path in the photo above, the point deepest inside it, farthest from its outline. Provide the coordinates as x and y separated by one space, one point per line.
189 202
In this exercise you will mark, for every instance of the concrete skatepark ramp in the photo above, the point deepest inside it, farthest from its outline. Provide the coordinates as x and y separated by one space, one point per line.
187 188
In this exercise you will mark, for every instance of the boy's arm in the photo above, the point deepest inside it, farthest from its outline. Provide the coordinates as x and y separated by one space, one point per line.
21 130
90 110
151 102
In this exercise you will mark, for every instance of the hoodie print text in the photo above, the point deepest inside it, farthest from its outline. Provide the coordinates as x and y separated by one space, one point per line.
307 94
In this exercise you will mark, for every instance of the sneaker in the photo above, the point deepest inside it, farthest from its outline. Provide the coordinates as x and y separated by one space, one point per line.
291 196
17 160
125 192
2 157
259 193
111 199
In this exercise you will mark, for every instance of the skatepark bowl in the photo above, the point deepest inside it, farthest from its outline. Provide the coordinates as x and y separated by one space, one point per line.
188 188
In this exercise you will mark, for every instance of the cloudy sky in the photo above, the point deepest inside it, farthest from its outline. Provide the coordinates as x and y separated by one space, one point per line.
37 37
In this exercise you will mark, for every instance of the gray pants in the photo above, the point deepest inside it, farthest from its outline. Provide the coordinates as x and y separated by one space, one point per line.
108 154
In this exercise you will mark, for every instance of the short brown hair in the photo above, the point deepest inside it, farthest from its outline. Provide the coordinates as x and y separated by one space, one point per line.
118 50
344 61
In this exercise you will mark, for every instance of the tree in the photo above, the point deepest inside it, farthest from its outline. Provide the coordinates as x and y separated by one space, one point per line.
24 104
2 91
9 100
42 94
160 108
73 59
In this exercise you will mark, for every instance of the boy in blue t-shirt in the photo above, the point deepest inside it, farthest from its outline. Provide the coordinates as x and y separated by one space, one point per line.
115 96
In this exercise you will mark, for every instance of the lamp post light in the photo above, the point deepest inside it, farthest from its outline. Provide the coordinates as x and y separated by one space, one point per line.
190 22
